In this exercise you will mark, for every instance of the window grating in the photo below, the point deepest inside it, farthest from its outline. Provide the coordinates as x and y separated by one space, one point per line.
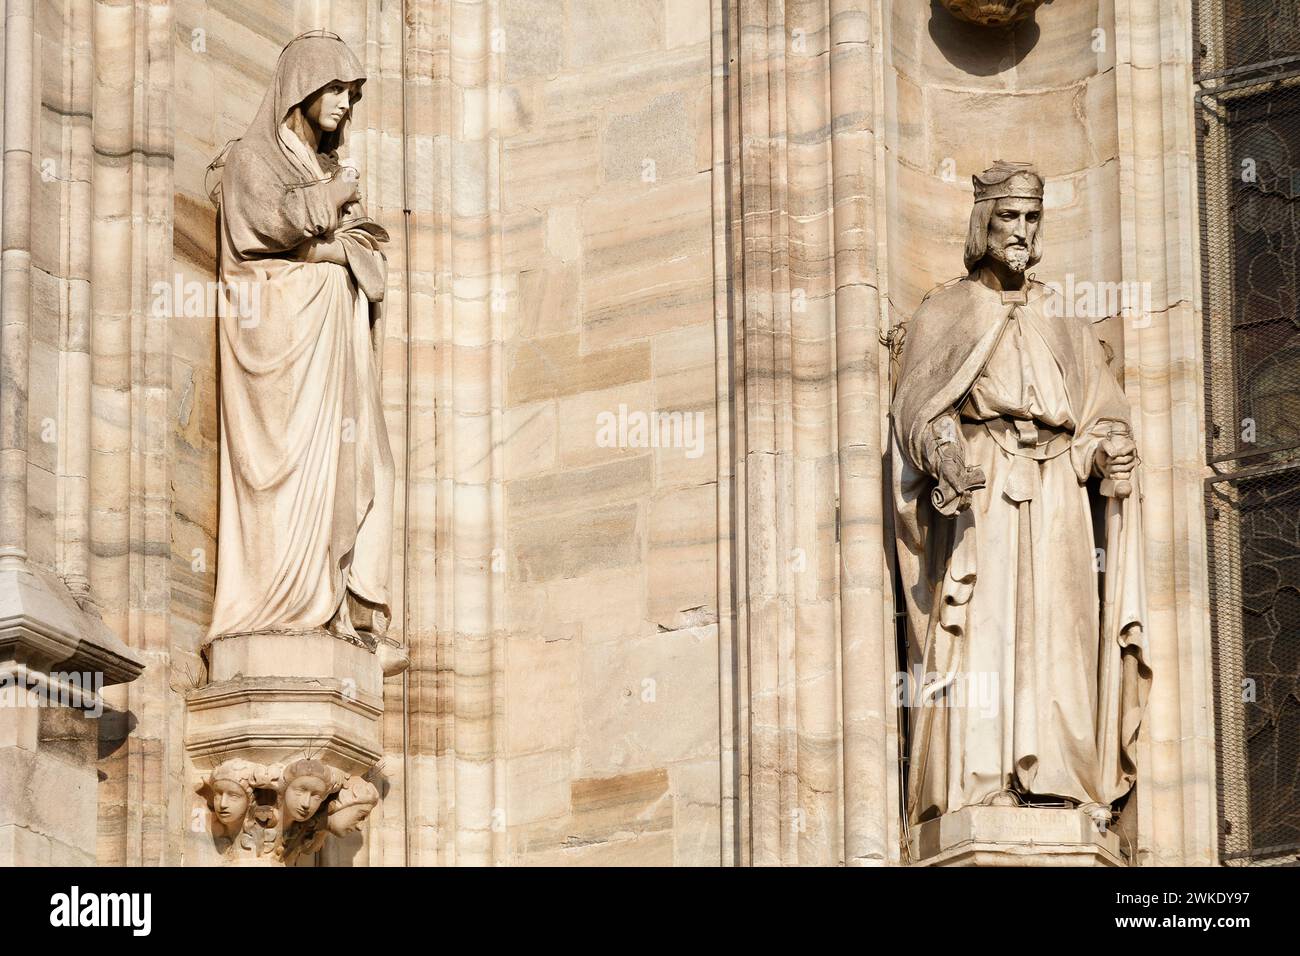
1255 578
1248 80
1238 37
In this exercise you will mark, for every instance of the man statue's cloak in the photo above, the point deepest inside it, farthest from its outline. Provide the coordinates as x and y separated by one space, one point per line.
948 345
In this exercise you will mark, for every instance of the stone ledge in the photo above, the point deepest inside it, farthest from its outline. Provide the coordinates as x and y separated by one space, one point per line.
278 695
43 629
1014 836
307 690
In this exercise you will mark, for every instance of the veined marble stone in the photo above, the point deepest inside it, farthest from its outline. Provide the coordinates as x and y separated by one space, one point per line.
627 405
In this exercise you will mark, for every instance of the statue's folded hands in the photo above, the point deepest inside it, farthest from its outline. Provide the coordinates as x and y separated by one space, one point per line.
328 249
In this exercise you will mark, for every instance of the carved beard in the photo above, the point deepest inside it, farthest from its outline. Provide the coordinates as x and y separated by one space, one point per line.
1016 258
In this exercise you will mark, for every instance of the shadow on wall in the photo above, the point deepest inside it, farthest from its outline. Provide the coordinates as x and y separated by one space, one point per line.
114 728
978 50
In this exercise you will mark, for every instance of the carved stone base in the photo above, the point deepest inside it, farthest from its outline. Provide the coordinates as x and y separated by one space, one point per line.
1014 836
283 761
331 710
992 13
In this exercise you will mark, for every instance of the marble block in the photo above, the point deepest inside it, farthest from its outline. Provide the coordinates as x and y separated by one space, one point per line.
1014 836
330 708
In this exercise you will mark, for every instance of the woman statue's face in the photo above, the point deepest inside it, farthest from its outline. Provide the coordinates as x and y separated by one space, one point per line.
329 106
349 819
302 797
229 802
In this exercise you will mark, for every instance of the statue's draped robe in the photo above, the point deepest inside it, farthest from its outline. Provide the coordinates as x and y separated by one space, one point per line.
306 468
1027 681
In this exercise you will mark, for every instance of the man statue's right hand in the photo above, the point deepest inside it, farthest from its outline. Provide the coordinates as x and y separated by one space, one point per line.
956 484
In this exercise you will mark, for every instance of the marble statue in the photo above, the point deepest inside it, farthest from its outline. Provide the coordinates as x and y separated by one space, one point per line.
306 499
1009 429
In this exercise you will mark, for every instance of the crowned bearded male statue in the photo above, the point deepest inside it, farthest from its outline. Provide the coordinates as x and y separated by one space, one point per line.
1009 429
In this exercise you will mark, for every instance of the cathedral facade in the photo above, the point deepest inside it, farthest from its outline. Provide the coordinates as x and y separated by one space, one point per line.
643 274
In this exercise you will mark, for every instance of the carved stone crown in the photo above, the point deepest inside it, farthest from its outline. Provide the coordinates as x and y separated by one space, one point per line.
1005 180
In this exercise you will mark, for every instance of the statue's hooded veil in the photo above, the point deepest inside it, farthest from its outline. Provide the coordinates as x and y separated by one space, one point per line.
307 64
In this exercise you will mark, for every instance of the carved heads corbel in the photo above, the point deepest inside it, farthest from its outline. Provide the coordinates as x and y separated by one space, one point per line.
280 811
992 13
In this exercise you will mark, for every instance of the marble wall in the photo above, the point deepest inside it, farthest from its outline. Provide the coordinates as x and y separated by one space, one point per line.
628 644
610 529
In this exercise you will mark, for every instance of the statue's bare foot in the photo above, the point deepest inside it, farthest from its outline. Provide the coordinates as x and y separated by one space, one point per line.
1003 798
340 625
1099 813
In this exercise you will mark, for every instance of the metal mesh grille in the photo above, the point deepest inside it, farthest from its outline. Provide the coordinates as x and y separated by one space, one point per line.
1247 34
1248 74
1255 590
1253 401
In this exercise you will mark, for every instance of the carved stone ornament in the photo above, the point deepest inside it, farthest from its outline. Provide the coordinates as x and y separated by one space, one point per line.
277 814
992 13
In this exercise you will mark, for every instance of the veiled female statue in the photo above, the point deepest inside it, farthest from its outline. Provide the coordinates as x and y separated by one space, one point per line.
306 471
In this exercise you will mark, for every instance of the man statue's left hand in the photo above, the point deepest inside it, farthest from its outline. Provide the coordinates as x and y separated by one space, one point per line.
1116 457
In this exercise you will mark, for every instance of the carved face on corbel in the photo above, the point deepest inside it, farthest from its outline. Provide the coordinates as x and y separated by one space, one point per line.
303 797
349 819
306 784
230 804
229 793
350 809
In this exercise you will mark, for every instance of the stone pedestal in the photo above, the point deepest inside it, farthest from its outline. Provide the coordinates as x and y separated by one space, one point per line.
286 762
55 658
1014 836
330 709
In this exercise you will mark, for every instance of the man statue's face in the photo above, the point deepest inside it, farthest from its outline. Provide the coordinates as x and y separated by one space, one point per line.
1012 229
